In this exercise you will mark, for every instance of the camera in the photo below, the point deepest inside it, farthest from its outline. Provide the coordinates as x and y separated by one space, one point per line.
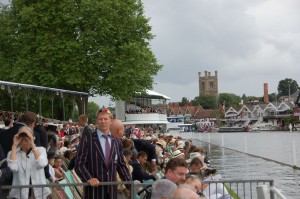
23 134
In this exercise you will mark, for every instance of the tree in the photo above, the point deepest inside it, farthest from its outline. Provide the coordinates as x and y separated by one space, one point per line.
207 101
183 102
95 46
286 87
272 97
92 111
229 99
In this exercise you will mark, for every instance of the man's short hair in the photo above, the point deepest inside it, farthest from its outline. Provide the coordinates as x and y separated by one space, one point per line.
174 163
7 122
162 188
83 118
28 118
142 154
196 161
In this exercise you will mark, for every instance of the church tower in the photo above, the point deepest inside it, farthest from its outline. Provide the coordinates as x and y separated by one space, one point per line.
208 83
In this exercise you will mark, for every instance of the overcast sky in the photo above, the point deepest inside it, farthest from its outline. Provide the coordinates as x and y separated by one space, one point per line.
249 43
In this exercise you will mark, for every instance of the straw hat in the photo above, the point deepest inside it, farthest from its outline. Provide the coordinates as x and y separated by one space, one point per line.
192 156
177 153
180 142
161 143
172 142
148 138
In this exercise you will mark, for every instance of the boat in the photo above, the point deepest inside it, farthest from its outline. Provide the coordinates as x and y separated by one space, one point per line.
231 129
265 127
186 128
174 122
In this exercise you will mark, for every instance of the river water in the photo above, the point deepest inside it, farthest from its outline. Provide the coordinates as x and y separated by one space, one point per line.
237 164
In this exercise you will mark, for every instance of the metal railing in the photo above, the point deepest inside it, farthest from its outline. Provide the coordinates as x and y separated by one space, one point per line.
237 189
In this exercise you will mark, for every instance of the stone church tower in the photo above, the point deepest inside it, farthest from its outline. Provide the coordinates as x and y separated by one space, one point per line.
208 83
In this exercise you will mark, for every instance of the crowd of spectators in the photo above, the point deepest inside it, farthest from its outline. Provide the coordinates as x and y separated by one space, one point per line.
174 166
9 115
144 110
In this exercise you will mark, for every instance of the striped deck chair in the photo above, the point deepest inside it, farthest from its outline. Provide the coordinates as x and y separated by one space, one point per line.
57 192
73 189
65 161
77 180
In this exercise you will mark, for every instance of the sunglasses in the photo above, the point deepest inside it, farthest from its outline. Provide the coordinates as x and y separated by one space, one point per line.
105 110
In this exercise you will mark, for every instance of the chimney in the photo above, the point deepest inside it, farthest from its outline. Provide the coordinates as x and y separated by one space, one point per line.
266 93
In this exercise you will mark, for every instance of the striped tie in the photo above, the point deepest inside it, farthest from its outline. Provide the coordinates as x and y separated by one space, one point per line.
107 149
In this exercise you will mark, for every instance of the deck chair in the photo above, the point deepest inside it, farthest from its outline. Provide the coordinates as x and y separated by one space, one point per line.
70 180
57 192
77 180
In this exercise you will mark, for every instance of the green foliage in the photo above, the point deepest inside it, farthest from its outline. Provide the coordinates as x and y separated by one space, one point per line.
92 111
229 99
95 46
207 101
272 97
286 87
183 102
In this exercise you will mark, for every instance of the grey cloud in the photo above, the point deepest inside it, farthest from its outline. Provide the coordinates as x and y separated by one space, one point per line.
239 39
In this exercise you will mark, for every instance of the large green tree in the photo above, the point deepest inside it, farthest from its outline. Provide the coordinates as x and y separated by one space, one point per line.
183 102
207 101
286 87
95 46
92 112
229 99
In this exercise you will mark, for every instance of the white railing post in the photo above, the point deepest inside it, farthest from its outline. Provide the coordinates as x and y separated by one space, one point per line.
222 140
245 144
294 153
263 192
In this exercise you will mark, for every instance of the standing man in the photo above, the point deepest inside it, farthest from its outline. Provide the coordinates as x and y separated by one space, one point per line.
99 158
83 123
117 128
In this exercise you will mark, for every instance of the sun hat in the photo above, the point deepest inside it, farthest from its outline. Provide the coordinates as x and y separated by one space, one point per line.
180 142
176 154
161 143
192 156
148 138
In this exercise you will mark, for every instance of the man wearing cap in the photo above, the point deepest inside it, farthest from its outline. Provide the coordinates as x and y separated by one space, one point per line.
99 157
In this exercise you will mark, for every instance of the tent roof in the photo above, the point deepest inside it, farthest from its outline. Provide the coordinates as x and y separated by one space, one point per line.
42 88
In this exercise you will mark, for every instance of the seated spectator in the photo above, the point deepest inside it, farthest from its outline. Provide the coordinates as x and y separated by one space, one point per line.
162 189
138 173
59 172
67 146
68 155
128 155
51 159
27 163
212 191
176 170
184 192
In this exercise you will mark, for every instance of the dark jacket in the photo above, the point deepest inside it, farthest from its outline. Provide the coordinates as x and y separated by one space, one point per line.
6 176
90 163
43 135
138 173
147 147
7 137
